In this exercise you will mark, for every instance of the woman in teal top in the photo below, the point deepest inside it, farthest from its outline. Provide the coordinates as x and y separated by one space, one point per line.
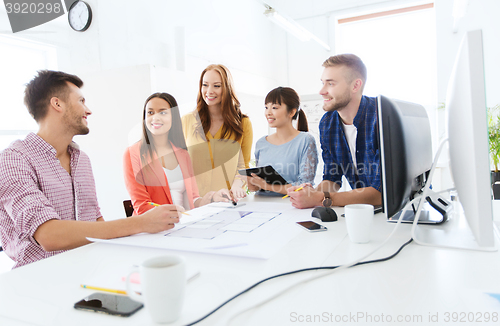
291 152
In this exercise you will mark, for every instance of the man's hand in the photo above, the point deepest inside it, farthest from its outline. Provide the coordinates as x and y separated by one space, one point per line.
161 218
305 198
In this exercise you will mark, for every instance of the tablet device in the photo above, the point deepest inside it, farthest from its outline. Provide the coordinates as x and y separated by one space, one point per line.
267 173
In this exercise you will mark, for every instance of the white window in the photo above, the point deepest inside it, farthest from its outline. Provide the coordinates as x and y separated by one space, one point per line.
398 48
19 62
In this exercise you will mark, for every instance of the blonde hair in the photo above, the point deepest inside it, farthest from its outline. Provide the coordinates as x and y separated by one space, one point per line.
357 68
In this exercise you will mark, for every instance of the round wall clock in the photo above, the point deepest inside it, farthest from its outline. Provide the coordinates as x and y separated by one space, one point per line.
80 16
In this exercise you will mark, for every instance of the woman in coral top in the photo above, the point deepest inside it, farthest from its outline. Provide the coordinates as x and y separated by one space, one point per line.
158 167
218 134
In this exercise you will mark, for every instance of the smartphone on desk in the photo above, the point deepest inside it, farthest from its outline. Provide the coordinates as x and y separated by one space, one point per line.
312 226
111 304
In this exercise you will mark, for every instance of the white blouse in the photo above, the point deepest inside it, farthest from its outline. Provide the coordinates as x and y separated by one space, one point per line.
177 186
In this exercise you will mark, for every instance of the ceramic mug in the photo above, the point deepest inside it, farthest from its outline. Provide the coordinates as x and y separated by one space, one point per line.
163 283
359 221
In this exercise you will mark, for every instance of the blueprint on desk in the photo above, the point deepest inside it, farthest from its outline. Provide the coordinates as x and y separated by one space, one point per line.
228 220
256 230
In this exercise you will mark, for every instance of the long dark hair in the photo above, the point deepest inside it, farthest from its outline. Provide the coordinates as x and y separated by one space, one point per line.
175 135
291 99
230 105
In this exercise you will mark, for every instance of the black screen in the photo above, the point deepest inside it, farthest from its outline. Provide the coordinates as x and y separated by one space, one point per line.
109 303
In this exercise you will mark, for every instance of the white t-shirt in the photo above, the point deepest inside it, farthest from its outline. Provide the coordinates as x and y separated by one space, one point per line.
177 186
351 133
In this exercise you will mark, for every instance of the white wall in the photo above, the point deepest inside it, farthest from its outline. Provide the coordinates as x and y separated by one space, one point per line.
479 15
116 98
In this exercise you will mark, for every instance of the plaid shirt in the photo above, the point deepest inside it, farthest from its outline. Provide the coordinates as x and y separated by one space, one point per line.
336 153
35 188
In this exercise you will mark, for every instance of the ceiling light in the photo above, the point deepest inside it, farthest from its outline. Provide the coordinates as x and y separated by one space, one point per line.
292 27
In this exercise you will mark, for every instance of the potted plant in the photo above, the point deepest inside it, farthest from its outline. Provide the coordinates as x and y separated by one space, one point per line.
494 139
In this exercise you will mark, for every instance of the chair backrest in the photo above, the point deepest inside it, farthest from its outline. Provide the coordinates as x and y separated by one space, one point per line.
129 209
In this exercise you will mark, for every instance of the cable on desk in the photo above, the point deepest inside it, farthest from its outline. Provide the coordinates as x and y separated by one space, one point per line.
357 261
295 272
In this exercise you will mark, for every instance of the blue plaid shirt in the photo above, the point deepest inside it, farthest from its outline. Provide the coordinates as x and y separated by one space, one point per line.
336 153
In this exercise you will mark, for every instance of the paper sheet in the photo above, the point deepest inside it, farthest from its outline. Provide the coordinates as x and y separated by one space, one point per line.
256 230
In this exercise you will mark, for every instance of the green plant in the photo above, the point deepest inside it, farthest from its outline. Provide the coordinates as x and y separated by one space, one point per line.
494 134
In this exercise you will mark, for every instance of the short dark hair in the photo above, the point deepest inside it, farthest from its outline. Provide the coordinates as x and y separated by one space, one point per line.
43 87
351 61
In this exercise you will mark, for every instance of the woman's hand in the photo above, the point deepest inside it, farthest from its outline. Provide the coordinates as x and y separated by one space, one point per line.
250 186
256 183
237 189
222 195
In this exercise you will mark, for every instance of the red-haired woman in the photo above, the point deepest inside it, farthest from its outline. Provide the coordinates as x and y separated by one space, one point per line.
218 135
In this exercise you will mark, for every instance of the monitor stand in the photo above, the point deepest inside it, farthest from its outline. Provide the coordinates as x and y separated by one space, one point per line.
454 234
436 210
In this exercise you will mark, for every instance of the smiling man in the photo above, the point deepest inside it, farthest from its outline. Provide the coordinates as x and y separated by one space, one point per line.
48 200
349 141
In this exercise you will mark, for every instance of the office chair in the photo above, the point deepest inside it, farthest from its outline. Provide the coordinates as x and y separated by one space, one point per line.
129 209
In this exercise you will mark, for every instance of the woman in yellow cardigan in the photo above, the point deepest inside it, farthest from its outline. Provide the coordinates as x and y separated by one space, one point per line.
218 135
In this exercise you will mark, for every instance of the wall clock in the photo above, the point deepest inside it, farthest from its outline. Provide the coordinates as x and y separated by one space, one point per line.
80 16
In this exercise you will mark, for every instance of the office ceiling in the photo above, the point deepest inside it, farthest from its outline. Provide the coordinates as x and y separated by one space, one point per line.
298 9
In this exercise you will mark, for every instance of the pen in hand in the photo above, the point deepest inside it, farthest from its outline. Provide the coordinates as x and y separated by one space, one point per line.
230 193
155 204
294 190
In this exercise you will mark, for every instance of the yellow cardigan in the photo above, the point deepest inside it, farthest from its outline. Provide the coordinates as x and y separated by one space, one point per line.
226 153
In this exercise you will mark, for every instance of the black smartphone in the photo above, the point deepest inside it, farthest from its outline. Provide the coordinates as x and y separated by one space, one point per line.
312 226
112 304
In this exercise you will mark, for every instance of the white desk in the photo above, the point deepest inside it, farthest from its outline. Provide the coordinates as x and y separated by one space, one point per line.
420 281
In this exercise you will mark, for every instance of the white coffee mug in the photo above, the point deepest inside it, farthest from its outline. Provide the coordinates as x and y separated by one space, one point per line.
163 283
359 221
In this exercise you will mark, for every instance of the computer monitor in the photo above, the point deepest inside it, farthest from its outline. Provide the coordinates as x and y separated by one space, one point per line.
405 156
468 138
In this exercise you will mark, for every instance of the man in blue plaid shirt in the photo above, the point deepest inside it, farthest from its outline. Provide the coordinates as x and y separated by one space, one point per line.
349 139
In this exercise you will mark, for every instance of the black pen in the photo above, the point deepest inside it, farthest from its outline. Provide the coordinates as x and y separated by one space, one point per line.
228 185
230 193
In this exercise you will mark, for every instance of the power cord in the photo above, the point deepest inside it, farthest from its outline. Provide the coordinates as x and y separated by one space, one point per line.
295 272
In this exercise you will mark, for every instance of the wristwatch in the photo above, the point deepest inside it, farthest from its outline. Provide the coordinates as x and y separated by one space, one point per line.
327 201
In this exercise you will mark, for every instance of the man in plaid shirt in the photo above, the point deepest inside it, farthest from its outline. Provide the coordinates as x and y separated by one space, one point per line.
349 139
48 200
